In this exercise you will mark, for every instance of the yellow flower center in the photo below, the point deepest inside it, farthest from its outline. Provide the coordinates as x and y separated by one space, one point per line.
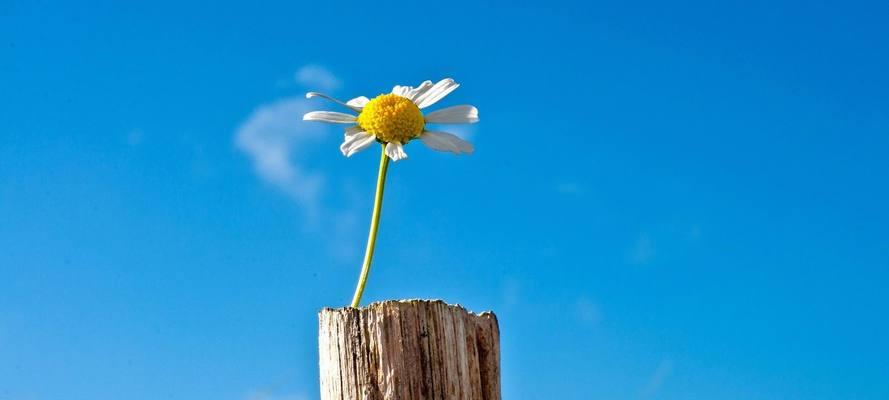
392 118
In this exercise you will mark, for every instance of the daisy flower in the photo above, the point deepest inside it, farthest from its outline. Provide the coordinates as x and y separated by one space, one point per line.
396 118
393 120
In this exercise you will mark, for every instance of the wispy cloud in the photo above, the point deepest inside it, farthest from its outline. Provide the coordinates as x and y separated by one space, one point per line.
272 136
661 373
316 77
279 144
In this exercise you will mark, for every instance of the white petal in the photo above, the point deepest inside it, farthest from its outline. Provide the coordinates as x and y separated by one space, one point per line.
412 92
353 130
436 93
453 115
401 90
356 142
395 151
419 90
324 96
330 116
442 141
358 103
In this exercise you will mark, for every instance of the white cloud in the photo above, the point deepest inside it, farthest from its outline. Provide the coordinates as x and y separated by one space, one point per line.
663 370
316 77
279 143
272 137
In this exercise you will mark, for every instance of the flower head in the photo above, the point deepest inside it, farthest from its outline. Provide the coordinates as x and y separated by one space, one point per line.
396 119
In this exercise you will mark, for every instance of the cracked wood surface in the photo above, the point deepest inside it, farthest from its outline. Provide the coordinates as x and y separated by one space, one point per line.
408 350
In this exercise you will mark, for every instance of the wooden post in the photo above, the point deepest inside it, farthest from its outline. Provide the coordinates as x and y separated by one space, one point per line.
408 350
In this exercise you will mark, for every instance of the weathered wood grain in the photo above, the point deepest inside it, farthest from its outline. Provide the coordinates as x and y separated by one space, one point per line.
408 350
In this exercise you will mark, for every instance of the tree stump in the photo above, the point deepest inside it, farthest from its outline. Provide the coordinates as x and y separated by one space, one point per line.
408 350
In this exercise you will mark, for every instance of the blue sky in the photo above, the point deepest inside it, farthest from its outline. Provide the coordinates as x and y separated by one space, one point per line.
682 201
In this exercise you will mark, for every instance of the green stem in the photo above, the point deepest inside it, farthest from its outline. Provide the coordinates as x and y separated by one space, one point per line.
374 225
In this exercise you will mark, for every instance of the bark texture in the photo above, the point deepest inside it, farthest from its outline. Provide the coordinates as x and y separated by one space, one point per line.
408 350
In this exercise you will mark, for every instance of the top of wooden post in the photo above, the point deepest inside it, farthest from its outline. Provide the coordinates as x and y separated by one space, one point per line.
390 303
408 350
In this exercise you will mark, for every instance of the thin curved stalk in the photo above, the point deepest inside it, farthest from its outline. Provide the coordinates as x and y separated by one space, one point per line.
374 226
